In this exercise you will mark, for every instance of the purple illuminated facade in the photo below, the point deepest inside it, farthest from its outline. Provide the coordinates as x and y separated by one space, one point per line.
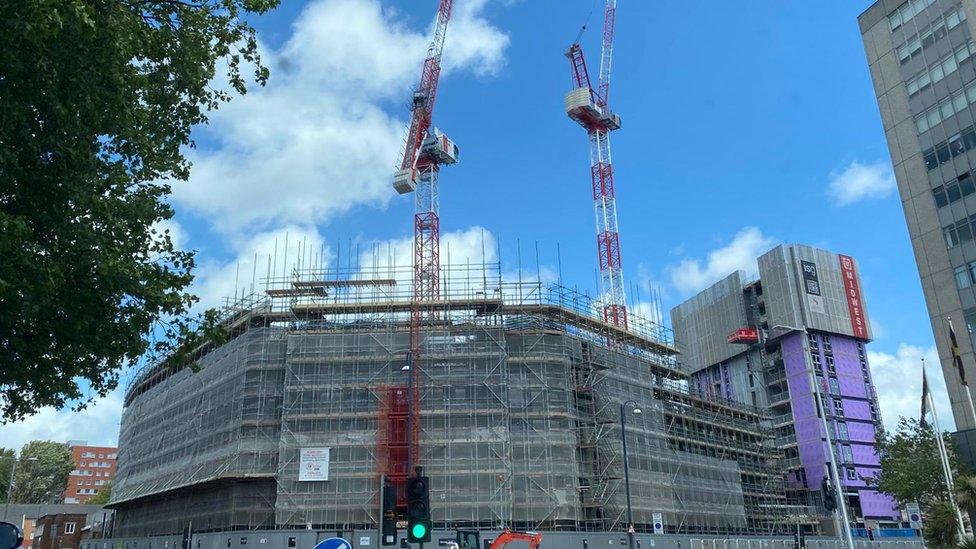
808 307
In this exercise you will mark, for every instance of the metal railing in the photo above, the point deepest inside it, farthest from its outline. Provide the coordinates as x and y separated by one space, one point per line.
788 543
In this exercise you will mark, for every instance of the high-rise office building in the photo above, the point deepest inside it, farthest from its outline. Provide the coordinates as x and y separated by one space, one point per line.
777 342
922 58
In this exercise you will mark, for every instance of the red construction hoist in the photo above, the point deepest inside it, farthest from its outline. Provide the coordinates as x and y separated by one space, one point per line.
590 108
425 150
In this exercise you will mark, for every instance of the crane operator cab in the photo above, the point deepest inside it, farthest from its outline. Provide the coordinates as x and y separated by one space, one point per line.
582 107
436 148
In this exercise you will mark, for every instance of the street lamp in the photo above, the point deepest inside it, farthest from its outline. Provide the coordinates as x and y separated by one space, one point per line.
635 409
10 483
409 371
834 472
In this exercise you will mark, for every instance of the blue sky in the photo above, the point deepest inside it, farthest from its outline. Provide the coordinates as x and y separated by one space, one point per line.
745 125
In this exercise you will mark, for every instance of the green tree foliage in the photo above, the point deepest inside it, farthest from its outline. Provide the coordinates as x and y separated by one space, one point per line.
966 493
6 467
105 494
941 525
97 102
42 472
968 543
910 466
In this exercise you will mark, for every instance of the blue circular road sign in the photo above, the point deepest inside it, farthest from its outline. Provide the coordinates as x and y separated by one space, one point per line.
333 543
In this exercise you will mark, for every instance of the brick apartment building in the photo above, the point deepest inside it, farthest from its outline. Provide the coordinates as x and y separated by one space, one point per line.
93 472
58 531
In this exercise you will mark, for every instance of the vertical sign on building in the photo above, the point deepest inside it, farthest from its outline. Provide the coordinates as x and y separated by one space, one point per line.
658 519
852 293
811 284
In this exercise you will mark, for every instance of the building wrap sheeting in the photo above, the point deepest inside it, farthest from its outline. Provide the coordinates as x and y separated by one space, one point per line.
519 425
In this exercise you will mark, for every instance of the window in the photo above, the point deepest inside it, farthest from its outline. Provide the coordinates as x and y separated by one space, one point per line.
830 365
826 345
834 386
907 11
292 541
851 473
963 278
956 103
847 454
945 150
959 232
969 315
940 69
930 34
842 433
69 528
838 407
953 191
243 541
965 231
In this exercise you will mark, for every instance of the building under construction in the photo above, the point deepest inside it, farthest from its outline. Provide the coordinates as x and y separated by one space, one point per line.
519 398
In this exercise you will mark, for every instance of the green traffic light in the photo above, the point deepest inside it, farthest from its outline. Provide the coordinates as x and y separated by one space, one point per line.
418 530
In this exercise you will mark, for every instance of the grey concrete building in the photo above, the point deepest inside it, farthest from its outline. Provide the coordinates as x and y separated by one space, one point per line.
922 58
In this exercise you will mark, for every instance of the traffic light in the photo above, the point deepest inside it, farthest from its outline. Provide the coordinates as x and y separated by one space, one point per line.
418 509
388 533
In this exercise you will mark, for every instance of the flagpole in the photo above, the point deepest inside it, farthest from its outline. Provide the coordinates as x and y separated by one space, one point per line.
943 454
957 361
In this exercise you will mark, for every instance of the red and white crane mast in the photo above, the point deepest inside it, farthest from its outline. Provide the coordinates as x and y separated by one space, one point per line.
590 108
425 150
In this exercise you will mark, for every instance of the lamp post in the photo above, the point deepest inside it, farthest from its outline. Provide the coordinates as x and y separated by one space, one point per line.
408 368
844 525
10 483
623 441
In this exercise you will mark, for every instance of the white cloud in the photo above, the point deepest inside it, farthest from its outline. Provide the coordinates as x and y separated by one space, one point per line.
692 275
861 181
324 135
176 233
473 246
98 424
274 252
898 380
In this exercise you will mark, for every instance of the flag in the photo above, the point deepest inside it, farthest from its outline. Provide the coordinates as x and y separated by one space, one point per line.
956 357
925 397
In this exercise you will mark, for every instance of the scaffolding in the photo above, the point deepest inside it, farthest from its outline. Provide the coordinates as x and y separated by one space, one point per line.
518 415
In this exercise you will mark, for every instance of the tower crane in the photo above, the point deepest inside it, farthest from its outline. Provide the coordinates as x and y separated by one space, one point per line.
425 150
590 108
